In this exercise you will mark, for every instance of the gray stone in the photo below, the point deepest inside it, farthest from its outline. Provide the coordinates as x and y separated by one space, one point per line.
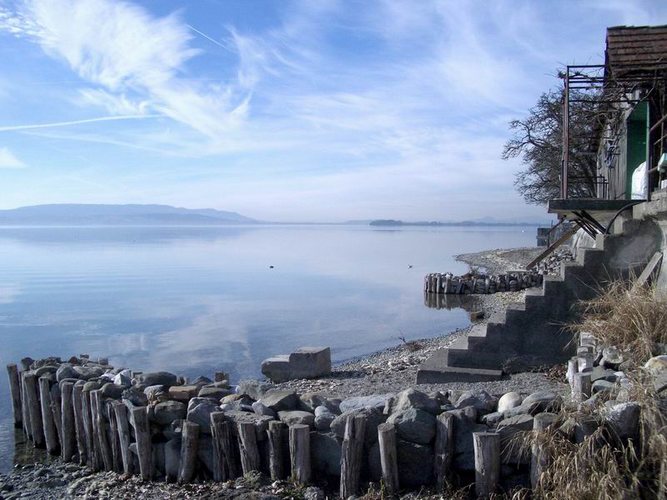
165 413
415 464
201 380
205 452
323 418
199 412
91 385
66 371
508 401
310 401
157 378
280 400
414 425
123 378
411 398
623 418
134 396
601 373
657 365
545 400
611 358
296 417
464 425
111 390
183 392
306 362
313 493
509 428
44 370
216 393
253 388
172 456
88 372
481 400
156 393
374 417
603 386
261 409
325 453
359 402
492 419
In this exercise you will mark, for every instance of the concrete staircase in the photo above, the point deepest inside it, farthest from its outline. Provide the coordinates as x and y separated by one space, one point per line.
534 333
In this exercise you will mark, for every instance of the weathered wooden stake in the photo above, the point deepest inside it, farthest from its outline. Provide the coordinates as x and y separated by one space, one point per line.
351 455
50 432
277 451
487 462
25 410
539 459
444 449
15 390
581 386
67 412
220 469
585 363
32 401
114 438
91 443
101 429
299 448
56 410
120 412
143 437
388 457
572 368
189 446
77 405
248 447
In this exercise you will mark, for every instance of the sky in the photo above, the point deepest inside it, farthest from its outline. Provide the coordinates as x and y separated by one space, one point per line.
313 110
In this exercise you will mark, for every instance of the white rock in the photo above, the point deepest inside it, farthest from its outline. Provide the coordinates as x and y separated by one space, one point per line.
509 401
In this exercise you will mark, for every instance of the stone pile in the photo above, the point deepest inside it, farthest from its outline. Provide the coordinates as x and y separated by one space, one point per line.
512 281
305 362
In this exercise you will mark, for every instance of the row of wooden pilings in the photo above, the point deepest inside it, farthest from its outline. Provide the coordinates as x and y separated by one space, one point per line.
447 283
83 426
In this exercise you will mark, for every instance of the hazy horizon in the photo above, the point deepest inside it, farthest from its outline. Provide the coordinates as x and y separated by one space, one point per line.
293 111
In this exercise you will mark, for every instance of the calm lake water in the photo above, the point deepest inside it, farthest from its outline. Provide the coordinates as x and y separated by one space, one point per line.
197 300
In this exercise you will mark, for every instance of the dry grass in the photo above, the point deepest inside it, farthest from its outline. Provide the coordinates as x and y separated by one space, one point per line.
634 319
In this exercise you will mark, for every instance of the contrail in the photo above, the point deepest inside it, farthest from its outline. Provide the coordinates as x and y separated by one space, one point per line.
213 40
11 128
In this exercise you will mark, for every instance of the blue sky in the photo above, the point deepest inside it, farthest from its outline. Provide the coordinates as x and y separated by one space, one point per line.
319 110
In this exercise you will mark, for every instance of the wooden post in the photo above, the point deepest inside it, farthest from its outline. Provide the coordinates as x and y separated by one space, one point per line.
248 447
56 410
299 448
388 457
143 437
188 451
572 368
120 412
444 449
32 401
15 390
277 452
351 455
67 411
91 446
539 459
114 438
220 468
25 410
581 386
50 432
100 426
487 462
77 404
585 362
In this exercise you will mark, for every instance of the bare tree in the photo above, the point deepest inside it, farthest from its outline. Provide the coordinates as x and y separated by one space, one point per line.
538 140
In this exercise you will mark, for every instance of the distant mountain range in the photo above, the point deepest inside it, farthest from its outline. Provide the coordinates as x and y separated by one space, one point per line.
486 221
118 215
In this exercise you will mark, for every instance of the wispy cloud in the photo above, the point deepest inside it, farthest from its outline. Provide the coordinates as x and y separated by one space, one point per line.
9 160
13 128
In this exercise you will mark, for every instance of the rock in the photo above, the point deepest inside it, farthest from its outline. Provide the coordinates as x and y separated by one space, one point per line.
511 453
325 453
216 393
237 397
91 385
323 418
134 396
280 400
310 400
199 412
359 402
201 380
296 417
261 409
492 419
43 370
611 358
123 378
414 464
374 417
183 392
253 388
172 456
64 372
165 413
411 398
88 372
205 452
465 424
158 378
545 400
313 493
508 401
623 418
657 365
156 394
414 425
481 400
111 390
261 422
306 362
603 386
601 373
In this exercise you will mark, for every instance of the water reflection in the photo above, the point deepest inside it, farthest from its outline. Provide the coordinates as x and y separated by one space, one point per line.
451 301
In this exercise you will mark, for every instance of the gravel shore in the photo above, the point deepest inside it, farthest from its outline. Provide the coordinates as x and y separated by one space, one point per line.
388 371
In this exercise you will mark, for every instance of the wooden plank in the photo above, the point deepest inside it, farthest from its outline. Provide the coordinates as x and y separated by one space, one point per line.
567 235
486 447
352 455
248 447
388 457
648 271
299 447
277 451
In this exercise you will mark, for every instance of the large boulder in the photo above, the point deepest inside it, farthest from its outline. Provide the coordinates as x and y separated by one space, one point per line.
414 464
183 392
374 417
481 400
165 413
623 418
253 388
157 378
509 429
261 409
323 418
64 372
414 425
212 392
280 400
411 398
88 372
508 401
199 412
325 451
296 417
305 362
261 422
465 423
359 402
